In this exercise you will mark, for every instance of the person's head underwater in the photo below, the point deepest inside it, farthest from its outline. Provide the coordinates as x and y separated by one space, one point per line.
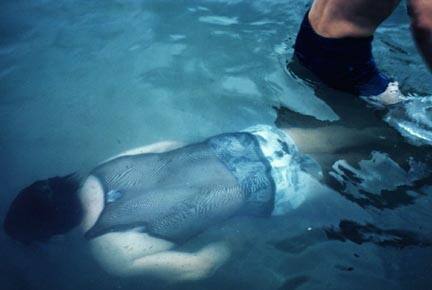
44 209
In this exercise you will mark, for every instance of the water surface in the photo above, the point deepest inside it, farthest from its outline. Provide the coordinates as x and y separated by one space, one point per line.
81 81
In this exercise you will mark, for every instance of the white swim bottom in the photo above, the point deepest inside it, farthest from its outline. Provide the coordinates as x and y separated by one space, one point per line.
287 166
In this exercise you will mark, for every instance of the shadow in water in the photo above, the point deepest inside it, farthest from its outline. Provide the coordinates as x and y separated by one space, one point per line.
368 233
294 283
357 233
404 195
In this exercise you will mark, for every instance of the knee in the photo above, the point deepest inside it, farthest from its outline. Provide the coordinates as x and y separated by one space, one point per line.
420 12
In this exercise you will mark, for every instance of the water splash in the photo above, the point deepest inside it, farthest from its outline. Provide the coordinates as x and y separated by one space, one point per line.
413 119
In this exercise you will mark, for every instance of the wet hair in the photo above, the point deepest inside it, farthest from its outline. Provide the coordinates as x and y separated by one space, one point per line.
45 208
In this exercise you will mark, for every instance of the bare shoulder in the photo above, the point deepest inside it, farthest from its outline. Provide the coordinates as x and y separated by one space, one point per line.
91 195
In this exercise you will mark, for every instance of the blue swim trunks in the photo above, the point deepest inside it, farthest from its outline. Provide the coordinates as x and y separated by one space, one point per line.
342 63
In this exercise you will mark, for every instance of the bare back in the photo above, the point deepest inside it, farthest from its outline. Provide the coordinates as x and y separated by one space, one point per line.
133 252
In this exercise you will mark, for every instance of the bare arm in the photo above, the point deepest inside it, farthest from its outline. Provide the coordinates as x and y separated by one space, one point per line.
181 266
133 253
421 26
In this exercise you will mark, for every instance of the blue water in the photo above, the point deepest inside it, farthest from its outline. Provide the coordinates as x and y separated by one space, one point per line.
81 81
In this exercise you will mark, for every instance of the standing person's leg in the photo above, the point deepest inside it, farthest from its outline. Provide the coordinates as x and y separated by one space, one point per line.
354 18
421 26
335 43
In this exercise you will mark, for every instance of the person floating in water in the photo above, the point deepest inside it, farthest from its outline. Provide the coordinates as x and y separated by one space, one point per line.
335 43
134 209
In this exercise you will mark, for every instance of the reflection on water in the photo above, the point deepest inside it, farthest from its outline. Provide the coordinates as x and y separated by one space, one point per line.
413 119
81 81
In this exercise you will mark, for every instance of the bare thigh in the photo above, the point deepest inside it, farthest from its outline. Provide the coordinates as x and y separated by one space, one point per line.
341 18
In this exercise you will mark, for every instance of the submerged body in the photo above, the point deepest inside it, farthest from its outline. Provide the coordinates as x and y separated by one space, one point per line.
136 209
140 207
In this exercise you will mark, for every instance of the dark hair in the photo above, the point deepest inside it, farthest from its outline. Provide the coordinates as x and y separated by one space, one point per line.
45 208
